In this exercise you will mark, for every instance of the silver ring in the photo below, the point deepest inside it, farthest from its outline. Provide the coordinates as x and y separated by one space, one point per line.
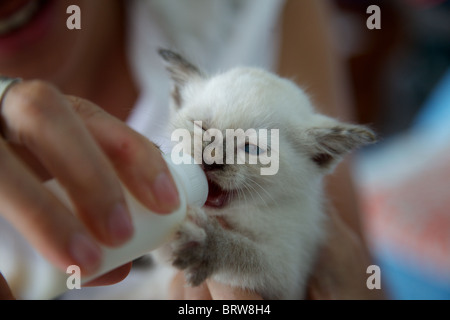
5 84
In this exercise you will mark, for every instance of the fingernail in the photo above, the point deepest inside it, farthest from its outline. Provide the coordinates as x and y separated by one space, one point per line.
166 193
86 253
120 226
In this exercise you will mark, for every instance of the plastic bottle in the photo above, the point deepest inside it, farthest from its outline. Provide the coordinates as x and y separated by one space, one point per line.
43 281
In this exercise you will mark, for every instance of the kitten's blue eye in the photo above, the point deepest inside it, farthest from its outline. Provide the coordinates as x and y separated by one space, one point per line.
252 149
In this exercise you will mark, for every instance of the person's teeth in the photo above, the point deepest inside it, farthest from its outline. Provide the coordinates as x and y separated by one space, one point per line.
19 18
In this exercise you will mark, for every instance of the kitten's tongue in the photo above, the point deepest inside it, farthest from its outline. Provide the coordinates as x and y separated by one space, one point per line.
217 198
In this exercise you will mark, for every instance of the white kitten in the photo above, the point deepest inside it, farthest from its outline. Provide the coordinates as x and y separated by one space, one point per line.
259 232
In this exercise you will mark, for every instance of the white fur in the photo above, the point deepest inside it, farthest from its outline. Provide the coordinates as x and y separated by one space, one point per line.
280 217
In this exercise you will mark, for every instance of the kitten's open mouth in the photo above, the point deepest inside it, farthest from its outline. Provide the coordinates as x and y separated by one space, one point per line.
217 197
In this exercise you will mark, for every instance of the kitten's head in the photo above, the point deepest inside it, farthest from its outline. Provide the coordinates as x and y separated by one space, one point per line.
292 145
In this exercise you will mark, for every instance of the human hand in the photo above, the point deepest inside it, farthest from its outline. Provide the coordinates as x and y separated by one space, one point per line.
47 134
109 278
340 272
208 290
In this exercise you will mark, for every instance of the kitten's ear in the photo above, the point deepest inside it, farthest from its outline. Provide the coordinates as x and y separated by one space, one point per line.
328 144
181 71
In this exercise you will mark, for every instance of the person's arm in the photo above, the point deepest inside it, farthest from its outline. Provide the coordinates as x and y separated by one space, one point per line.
308 57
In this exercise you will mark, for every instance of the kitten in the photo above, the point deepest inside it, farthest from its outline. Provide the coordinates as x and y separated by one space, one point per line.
259 232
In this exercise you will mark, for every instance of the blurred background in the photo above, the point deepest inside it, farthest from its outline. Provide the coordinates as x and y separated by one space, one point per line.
400 77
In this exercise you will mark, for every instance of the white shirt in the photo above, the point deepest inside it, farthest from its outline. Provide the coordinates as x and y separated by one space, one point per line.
214 34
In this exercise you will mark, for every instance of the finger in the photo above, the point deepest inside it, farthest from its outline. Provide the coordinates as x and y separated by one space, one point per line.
220 291
180 290
176 289
111 277
30 161
137 161
5 292
39 117
200 292
42 219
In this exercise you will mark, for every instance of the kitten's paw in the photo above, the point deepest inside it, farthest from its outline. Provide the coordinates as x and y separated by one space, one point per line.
197 275
190 248
189 244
